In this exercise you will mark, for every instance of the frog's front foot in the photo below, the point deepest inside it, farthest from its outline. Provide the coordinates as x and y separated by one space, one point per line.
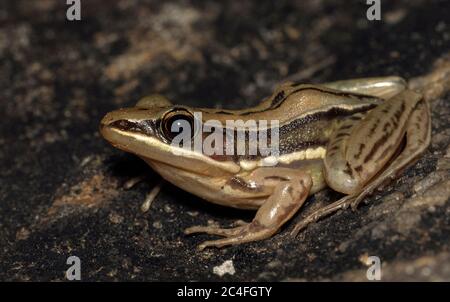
244 233
289 190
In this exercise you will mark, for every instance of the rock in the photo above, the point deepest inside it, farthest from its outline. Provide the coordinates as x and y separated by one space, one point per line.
225 268
60 192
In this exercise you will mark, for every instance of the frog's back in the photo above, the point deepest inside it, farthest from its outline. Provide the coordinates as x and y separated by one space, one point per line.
304 116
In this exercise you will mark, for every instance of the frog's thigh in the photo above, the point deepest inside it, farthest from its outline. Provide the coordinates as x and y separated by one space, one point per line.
290 189
418 133
383 87
418 136
359 150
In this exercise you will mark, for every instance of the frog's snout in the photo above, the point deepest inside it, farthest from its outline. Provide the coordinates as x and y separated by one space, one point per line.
115 118
105 121
110 121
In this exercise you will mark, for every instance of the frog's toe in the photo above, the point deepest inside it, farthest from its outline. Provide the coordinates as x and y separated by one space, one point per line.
341 204
217 243
242 234
214 230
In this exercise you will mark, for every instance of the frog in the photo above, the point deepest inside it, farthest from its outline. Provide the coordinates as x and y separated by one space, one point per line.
352 136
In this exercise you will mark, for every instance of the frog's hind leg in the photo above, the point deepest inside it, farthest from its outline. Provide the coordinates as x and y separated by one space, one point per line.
290 189
418 137
354 166
382 87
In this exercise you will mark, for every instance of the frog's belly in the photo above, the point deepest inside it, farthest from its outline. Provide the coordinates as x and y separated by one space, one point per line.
217 190
212 189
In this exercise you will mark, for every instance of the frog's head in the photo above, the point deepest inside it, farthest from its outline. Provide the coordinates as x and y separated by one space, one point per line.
146 130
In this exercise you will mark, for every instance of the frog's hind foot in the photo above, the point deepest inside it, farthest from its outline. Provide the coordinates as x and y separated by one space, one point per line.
341 204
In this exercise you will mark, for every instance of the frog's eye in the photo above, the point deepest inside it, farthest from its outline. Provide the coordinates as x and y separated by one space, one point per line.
177 121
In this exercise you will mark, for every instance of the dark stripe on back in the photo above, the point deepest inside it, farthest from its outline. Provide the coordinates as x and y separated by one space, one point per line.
278 101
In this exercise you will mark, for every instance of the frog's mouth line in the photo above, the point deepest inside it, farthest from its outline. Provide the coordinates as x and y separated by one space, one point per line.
152 149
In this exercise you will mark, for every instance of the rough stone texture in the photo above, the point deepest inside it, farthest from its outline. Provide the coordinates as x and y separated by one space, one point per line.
61 185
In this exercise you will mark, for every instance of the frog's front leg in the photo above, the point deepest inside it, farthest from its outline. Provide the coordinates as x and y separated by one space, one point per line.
290 189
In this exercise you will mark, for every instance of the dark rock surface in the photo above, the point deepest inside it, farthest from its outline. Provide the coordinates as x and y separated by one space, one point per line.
61 184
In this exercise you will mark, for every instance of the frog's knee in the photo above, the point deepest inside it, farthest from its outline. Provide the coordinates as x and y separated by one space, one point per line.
342 181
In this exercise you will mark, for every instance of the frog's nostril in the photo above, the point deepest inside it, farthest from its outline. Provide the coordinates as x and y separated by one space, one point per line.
122 125
106 120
